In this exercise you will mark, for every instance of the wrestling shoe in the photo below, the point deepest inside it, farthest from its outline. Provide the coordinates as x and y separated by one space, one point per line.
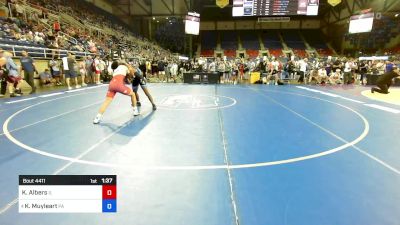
154 107
97 119
372 90
69 88
136 111
78 86
84 85
14 95
138 104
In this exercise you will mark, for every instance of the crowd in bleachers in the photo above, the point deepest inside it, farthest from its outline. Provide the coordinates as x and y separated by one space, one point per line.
38 27
32 25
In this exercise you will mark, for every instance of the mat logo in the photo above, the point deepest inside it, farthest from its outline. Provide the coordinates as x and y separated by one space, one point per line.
188 102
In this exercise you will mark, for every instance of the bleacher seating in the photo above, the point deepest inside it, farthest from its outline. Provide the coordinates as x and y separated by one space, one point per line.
252 53
208 40
250 40
229 40
300 53
207 53
276 52
315 39
271 40
325 52
230 53
293 39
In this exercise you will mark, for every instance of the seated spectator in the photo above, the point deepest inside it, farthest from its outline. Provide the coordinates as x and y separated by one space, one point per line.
335 77
45 77
314 76
323 76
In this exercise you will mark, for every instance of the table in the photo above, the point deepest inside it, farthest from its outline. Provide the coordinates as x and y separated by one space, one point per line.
201 78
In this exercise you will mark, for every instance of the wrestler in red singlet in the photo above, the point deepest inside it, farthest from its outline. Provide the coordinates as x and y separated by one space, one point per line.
117 85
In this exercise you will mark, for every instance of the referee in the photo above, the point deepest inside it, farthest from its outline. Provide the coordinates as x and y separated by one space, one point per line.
385 81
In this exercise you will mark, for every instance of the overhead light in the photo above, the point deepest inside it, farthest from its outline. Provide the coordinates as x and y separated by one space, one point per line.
167 17
158 21
397 15
154 18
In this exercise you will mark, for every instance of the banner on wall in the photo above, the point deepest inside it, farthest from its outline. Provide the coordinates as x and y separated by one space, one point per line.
334 2
222 3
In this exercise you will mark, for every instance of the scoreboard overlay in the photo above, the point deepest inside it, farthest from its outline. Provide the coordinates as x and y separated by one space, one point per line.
67 193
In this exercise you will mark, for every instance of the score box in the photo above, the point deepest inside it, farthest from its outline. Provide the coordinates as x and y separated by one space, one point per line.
67 193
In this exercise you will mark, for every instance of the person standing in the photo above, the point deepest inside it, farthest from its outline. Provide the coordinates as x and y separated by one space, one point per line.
120 71
13 78
29 68
82 71
303 64
347 76
3 74
69 64
161 70
143 68
96 69
174 71
55 70
89 69
363 72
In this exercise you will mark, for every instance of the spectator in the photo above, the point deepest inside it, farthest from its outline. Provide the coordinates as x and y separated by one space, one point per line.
303 64
102 68
56 27
82 71
174 71
3 75
143 68
54 65
45 77
96 69
13 79
389 66
347 76
89 69
323 76
363 71
335 77
28 66
161 70
69 65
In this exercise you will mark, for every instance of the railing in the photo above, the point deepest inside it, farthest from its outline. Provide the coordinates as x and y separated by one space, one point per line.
40 53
